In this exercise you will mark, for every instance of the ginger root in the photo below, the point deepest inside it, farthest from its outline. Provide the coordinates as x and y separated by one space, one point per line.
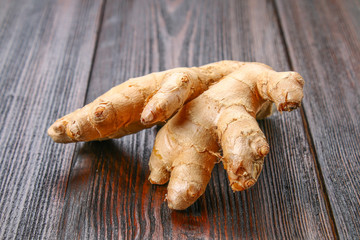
215 107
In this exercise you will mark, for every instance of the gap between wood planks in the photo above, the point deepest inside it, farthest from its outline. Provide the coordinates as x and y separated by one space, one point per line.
98 31
309 138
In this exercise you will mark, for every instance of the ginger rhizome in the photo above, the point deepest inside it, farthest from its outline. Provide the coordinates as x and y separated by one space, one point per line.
207 108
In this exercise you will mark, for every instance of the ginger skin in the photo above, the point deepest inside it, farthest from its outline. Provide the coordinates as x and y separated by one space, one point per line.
219 104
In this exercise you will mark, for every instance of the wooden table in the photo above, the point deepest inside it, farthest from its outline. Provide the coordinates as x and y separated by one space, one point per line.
57 55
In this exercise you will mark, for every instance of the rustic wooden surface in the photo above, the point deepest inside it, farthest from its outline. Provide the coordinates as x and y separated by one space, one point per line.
46 51
57 55
325 49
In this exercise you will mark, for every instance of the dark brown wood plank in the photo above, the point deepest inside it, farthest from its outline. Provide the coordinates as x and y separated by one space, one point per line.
323 38
46 50
109 195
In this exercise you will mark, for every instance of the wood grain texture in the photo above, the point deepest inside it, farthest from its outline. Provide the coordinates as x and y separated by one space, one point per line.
323 39
108 194
46 50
